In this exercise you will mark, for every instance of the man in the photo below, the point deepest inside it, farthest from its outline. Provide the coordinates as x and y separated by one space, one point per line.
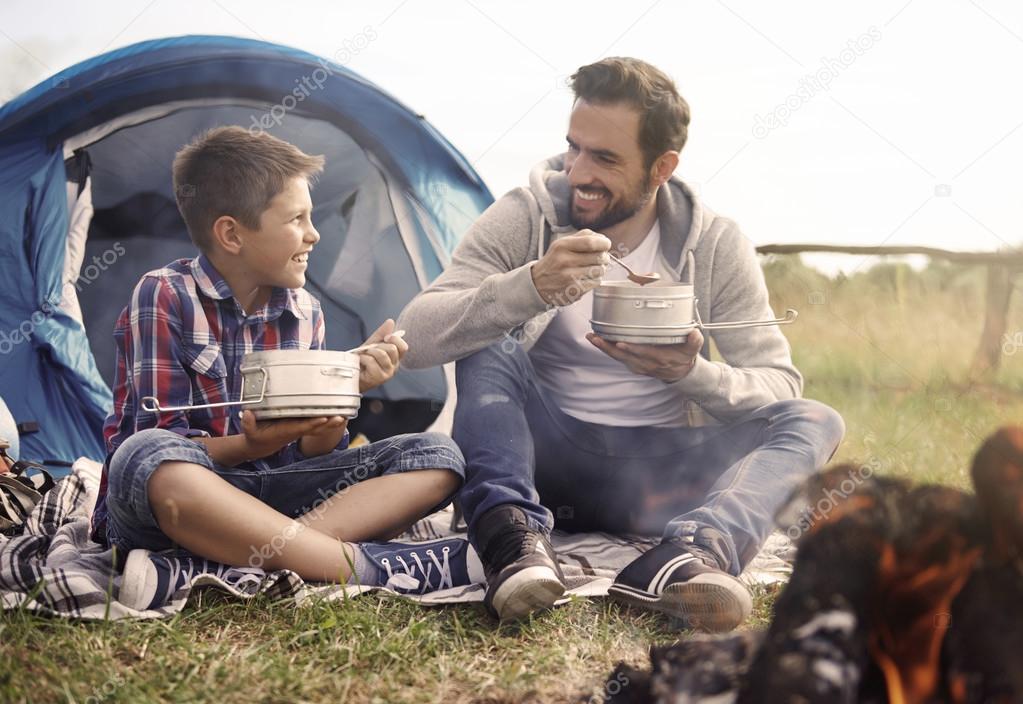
557 423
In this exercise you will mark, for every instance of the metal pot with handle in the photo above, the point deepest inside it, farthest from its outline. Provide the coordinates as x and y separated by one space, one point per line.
291 384
661 313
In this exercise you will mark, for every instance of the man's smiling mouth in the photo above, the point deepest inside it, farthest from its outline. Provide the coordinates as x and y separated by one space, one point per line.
589 196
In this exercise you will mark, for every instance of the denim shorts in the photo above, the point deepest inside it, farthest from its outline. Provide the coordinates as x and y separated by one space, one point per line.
292 490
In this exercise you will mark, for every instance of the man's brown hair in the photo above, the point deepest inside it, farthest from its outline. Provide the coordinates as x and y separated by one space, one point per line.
664 114
232 171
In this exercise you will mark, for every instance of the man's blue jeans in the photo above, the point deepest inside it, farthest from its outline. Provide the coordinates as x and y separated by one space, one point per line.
521 449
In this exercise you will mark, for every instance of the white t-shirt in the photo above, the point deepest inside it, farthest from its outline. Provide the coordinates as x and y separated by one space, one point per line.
587 384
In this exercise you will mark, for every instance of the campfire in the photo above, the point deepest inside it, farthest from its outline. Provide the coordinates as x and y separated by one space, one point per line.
900 593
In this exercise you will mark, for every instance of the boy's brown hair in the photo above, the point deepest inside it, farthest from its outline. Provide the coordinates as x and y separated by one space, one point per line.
664 114
232 171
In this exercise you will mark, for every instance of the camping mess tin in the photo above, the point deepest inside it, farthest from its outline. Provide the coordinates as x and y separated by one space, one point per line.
291 384
661 313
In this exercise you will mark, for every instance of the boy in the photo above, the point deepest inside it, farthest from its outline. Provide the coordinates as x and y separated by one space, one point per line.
283 494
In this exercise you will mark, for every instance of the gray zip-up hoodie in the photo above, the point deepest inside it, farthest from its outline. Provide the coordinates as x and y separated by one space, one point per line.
486 295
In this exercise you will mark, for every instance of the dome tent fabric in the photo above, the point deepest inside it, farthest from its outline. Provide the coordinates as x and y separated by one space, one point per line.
94 144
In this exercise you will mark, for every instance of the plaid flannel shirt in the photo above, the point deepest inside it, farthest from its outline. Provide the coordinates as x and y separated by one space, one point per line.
181 339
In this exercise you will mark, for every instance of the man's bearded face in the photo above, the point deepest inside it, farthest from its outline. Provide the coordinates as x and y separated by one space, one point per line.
607 170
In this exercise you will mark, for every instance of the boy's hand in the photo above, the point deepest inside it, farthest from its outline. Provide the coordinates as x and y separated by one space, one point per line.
379 362
324 438
265 437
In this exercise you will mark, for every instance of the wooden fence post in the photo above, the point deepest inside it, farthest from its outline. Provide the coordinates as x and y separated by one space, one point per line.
996 317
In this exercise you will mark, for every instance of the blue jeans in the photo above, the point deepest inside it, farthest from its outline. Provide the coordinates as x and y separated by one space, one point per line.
521 449
292 490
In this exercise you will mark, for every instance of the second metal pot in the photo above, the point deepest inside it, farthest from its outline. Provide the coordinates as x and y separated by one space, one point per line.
662 313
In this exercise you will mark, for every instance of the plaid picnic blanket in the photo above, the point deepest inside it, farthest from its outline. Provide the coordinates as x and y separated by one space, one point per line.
54 568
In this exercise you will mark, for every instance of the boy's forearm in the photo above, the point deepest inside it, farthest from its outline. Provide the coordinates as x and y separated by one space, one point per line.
230 450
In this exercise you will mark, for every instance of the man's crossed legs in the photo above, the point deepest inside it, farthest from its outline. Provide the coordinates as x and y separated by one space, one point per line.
711 492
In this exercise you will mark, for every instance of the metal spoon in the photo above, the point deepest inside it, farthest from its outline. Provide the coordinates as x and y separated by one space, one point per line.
641 279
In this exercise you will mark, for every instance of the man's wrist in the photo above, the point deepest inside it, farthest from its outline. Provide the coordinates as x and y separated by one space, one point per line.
692 364
532 277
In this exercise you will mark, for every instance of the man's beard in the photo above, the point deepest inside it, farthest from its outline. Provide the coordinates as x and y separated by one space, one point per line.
616 213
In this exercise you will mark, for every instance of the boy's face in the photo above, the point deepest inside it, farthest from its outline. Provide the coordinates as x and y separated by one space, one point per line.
277 254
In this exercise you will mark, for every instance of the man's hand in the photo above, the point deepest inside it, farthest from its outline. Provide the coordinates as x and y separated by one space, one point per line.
380 361
265 437
669 363
572 266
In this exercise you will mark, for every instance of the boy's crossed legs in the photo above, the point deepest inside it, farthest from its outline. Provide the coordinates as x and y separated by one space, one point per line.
306 517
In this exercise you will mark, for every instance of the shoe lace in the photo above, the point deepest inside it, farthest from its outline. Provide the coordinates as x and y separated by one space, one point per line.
182 572
706 555
509 546
406 579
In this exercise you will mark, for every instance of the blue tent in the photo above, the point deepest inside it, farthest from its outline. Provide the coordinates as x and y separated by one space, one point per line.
88 152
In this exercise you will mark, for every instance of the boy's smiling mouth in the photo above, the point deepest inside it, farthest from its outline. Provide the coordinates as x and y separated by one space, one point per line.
302 257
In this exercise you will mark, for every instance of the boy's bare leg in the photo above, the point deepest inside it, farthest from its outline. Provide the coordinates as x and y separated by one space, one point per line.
382 507
207 516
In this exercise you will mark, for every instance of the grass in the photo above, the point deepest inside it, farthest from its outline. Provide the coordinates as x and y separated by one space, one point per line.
374 648
888 348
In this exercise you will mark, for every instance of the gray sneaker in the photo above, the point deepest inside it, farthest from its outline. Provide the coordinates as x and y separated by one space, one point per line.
522 569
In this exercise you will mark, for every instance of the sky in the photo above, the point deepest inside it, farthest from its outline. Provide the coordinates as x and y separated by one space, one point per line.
843 123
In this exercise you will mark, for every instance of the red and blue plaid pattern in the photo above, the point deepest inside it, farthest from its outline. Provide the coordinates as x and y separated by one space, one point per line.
181 338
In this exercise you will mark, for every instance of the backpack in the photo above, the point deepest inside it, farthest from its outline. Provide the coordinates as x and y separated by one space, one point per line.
19 491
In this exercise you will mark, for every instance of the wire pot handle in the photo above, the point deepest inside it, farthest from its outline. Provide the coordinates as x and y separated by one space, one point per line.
150 404
790 317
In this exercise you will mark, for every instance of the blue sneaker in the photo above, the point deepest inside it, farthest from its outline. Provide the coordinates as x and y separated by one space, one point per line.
427 566
151 580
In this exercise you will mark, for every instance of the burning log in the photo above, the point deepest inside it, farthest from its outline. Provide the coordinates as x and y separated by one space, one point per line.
899 594
984 646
